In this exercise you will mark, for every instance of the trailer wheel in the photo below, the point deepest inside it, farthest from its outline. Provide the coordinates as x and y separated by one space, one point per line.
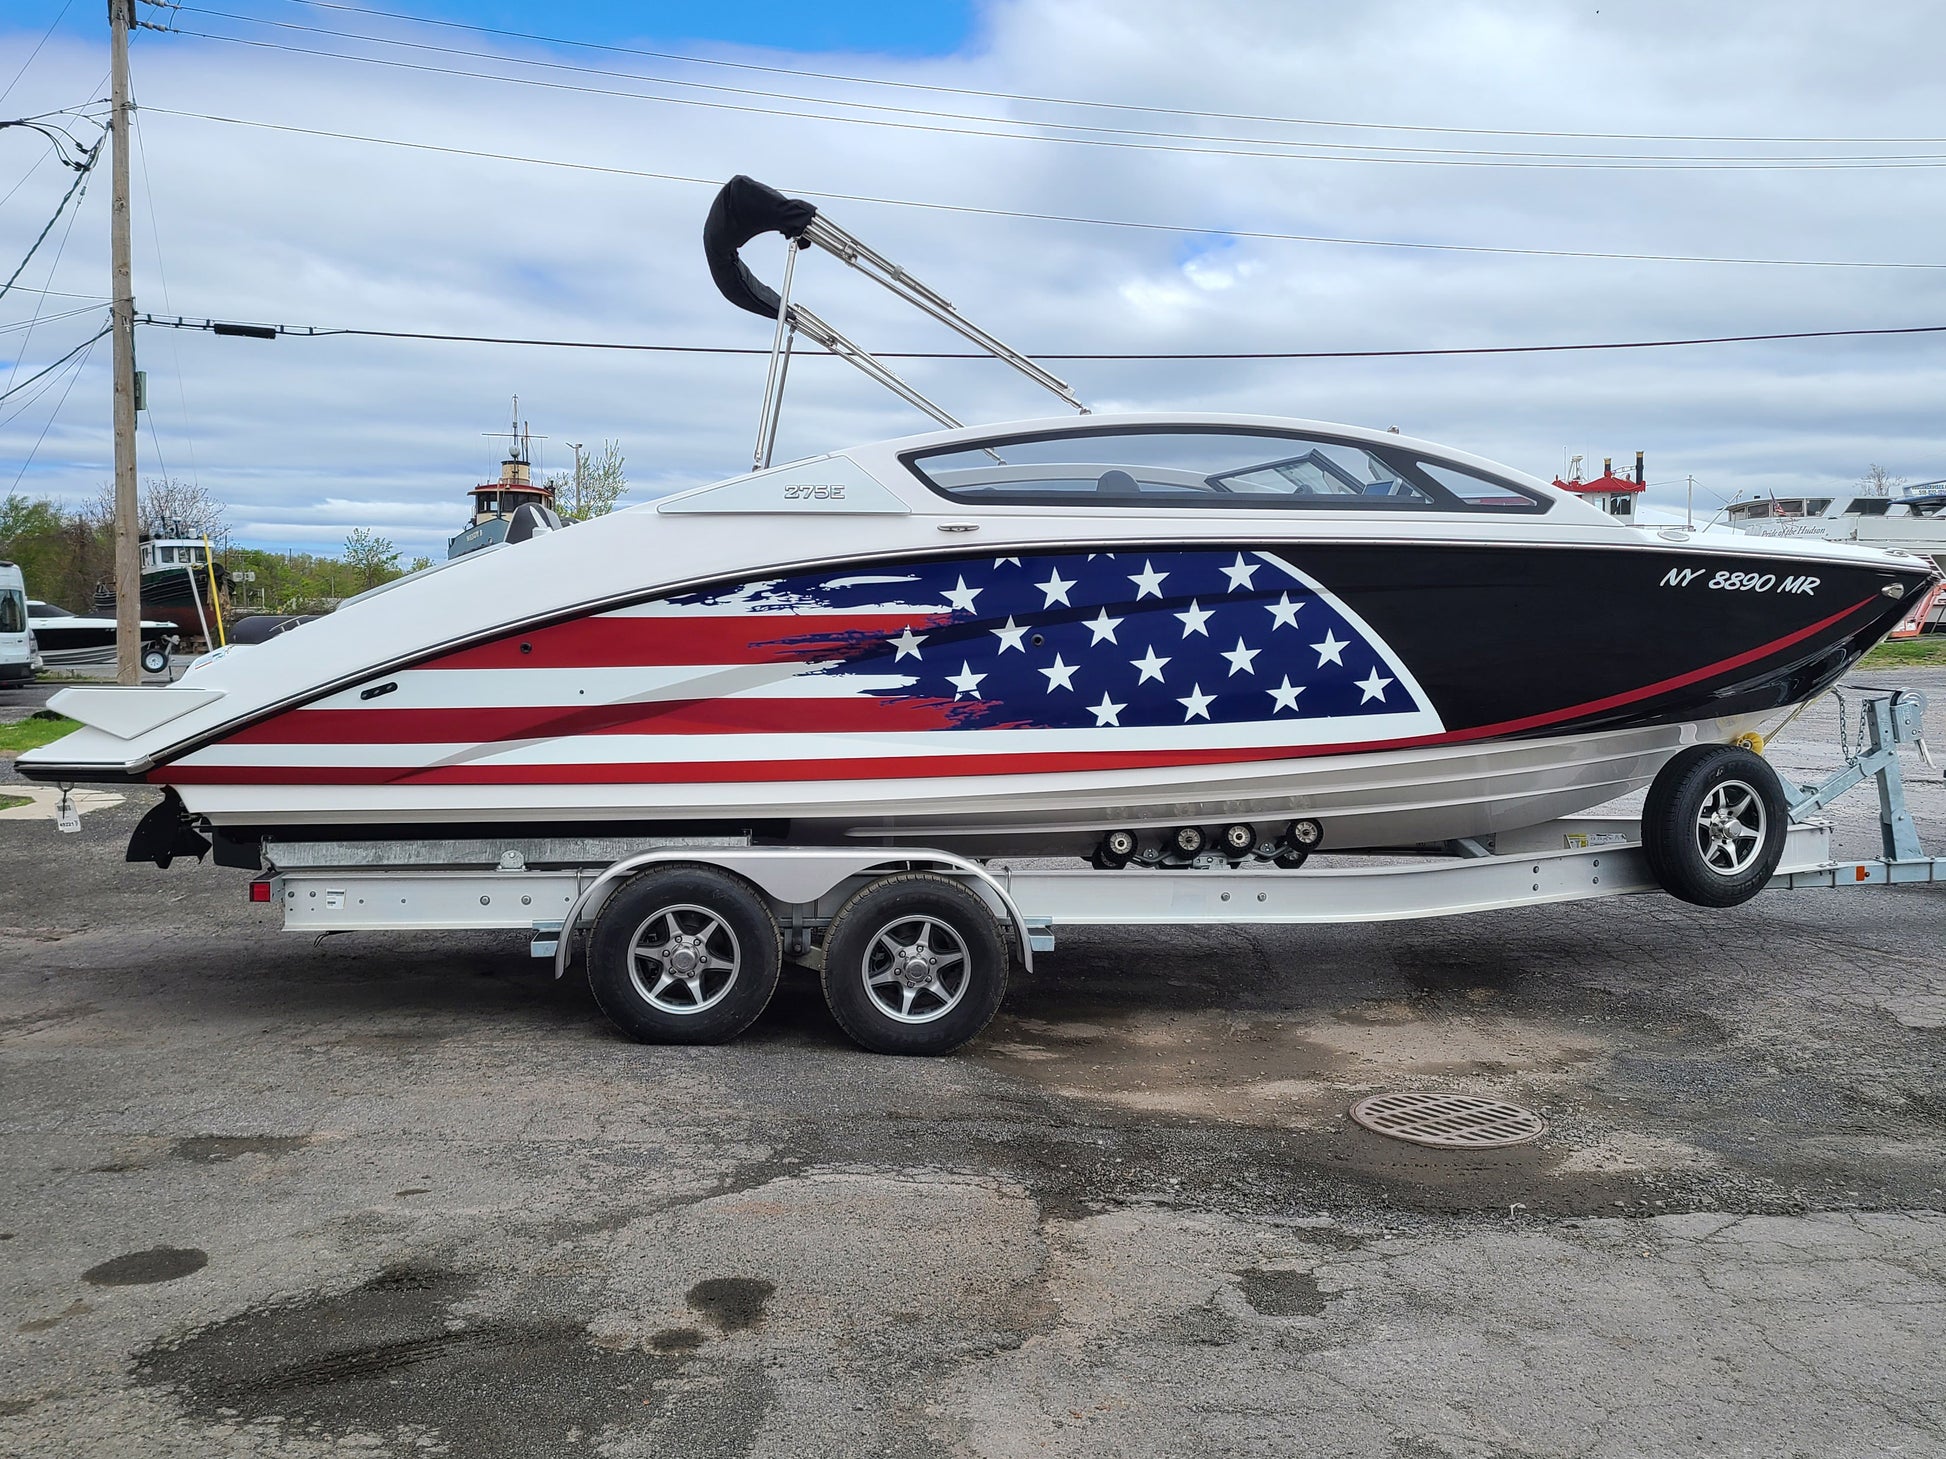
154 661
684 955
1714 825
914 964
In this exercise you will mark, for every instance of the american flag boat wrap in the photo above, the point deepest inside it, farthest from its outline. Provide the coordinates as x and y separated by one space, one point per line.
1011 665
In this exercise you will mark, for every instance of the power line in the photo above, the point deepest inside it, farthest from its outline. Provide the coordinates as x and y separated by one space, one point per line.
40 304
1175 228
31 55
1202 139
59 294
25 178
16 389
162 274
78 185
72 151
54 415
940 89
308 331
51 318
1754 165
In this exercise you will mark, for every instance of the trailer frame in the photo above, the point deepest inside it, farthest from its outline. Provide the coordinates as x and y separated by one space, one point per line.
554 889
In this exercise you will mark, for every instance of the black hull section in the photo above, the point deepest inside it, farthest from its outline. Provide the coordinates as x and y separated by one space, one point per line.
55 640
1520 640
168 596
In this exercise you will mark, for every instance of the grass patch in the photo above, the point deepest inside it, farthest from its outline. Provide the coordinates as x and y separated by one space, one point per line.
43 727
1906 652
10 802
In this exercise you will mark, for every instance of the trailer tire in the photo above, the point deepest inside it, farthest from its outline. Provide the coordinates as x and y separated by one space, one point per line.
155 661
684 955
1714 825
895 932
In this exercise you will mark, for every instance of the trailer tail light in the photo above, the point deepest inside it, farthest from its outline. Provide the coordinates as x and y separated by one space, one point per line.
260 890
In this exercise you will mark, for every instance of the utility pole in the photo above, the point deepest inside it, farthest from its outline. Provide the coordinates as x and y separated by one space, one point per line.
128 566
576 448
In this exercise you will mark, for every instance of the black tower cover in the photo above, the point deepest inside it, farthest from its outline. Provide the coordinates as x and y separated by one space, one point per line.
743 209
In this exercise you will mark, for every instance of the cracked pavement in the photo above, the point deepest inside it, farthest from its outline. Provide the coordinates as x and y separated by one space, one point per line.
404 1195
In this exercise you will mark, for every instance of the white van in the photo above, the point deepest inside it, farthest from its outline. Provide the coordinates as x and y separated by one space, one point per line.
16 640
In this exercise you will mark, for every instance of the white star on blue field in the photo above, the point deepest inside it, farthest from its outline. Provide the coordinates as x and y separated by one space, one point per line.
1094 641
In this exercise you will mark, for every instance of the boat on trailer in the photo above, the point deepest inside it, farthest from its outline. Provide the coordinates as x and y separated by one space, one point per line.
69 640
1148 640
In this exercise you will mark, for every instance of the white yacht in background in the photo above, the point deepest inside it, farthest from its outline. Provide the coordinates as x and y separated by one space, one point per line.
1913 521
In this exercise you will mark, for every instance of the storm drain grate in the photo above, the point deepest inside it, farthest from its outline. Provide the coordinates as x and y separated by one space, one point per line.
1450 1121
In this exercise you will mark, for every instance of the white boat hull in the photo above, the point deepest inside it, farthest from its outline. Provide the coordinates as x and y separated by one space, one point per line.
1398 797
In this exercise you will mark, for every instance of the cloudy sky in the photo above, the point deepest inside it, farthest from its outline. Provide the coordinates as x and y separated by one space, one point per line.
1466 125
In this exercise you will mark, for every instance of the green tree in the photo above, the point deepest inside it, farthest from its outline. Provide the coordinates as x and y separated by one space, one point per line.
61 553
371 558
31 535
593 488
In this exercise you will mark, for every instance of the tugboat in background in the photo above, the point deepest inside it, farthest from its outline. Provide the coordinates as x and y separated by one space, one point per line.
496 502
180 586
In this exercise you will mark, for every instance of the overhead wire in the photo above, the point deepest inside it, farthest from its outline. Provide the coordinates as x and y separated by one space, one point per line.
79 185
53 26
1091 103
1584 164
25 178
60 294
52 318
13 390
28 396
1201 138
86 353
162 276
1194 229
70 149
54 264
300 331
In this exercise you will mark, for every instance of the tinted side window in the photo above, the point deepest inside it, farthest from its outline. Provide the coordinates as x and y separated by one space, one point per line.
13 611
1482 493
1211 468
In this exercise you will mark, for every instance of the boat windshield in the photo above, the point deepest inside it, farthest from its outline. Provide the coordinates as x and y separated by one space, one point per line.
1210 467
47 610
174 554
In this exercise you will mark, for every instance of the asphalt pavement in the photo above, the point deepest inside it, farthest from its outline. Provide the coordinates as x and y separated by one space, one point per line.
406 1195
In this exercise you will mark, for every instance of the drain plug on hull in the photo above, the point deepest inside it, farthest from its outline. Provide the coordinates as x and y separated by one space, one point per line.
1448 1121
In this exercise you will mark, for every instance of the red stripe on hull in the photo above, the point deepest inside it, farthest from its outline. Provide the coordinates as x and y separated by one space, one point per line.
734 638
1661 686
674 717
930 767
885 767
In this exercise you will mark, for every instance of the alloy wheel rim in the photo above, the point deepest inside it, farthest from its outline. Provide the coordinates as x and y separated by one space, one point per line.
683 959
916 969
1730 826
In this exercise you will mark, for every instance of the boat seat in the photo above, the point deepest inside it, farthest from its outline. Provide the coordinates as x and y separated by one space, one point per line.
1118 483
531 520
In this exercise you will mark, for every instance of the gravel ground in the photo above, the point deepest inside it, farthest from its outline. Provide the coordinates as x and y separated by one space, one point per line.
406 1195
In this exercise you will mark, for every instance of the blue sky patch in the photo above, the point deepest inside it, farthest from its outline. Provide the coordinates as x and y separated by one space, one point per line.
932 28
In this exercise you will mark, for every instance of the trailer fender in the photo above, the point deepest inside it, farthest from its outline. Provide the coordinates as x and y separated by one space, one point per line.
794 876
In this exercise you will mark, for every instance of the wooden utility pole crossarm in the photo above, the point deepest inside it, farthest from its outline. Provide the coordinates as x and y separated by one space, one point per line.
128 566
